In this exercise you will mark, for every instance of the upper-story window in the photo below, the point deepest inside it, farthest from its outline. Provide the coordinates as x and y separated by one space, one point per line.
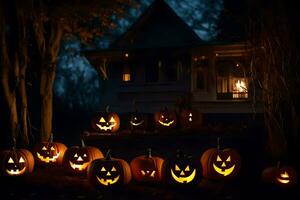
200 73
127 73
232 79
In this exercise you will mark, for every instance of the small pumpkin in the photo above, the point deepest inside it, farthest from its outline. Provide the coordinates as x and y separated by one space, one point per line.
165 119
147 168
182 170
283 176
191 119
109 172
49 153
138 122
220 164
106 122
77 159
16 162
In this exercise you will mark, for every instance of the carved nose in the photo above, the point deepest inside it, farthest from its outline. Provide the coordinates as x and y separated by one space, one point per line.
108 174
223 164
79 158
182 173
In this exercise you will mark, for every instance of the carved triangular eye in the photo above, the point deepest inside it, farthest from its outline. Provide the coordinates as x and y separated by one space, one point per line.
143 172
75 156
52 149
219 159
228 159
44 148
113 169
102 120
162 116
10 160
21 160
177 168
187 168
103 169
190 115
112 120
153 173
84 155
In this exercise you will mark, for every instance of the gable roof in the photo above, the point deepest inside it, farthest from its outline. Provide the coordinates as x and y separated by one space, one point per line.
159 26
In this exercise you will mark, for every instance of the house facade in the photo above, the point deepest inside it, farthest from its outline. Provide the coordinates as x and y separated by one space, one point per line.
161 62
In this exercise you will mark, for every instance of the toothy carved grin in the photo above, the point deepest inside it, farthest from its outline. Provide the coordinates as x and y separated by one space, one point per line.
108 181
184 179
105 128
16 172
48 159
224 172
166 124
79 167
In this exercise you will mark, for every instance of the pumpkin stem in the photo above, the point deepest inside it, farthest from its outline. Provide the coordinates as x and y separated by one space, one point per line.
50 138
149 153
218 143
82 143
108 155
107 108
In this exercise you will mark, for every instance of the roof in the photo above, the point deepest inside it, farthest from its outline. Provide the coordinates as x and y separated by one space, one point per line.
159 26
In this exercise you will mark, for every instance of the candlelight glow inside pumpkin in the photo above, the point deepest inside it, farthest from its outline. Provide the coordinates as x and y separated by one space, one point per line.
283 178
15 167
106 122
165 121
136 122
48 154
223 168
184 175
106 125
108 177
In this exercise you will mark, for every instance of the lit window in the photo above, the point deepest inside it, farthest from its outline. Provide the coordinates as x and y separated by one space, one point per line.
126 77
239 88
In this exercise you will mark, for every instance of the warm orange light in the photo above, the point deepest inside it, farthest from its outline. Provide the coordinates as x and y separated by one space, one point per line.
126 77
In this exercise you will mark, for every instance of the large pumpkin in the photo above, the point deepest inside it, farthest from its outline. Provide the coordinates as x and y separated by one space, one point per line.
147 168
165 119
182 170
191 119
109 172
138 122
49 153
106 122
220 164
77 159
283 176
16 162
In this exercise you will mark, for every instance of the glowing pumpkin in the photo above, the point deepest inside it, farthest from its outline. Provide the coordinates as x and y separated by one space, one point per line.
283 176
106 122
109 172
16 162
165 119
191 119
182 170
77 159
49 153
138 122
147 168
220 164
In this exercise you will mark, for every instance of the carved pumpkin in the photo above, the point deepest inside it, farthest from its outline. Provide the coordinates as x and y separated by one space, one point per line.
283 176
109 172
220 164
138 122
165 119
106 122
182 170
191 119
77 159
147 168
49 153
16 162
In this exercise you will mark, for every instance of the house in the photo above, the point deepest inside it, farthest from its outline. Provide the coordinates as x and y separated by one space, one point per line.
161 62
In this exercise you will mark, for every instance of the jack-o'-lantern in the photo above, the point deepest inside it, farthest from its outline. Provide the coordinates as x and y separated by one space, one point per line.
109 172
49 153
147 168
182 170
16 162
138 122
191 119
77 159
106 122
165 119
220 164
283 176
